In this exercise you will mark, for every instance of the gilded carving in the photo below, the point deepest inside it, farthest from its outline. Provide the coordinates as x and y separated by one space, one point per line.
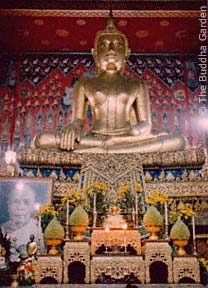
60 188
48 266
76 251
31 156
158 251
113 170
115 238
186 267
117 267
98 13
179 189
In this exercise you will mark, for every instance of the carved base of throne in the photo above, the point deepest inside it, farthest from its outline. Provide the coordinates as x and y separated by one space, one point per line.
48 266
117 267
78 251
158 251
186 267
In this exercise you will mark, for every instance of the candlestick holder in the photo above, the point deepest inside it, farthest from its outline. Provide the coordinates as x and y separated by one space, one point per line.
136 211
39 235
125 242
94 218
133 217
194 236
67 219
166 220
107 230
94 210
67 232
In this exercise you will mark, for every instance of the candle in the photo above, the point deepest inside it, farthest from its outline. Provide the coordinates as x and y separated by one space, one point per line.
194 235
67 212
193 224
39 234
166 219
67 219
136 210
39 224
133 216
94 202
124 226
107 230
94 210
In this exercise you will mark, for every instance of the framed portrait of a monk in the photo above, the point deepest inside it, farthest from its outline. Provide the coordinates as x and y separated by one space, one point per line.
20 200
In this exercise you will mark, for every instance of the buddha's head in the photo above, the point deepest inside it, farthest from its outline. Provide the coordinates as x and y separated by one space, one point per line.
110 49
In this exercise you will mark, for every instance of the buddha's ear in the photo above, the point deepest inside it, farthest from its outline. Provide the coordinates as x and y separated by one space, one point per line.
128 52
93 52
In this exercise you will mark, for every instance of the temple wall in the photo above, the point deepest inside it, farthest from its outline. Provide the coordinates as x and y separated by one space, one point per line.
35 93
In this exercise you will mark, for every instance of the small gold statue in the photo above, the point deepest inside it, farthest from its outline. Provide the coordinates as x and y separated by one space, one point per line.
120 107
32 247
114 219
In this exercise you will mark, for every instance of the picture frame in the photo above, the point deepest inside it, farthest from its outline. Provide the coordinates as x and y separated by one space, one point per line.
20 200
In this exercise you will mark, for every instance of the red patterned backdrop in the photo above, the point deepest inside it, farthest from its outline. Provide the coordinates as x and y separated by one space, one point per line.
35 93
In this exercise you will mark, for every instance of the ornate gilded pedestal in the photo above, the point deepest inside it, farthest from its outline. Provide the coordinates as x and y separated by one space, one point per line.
186 266
158 251
48 266
117 267
115 237
177 174
76 251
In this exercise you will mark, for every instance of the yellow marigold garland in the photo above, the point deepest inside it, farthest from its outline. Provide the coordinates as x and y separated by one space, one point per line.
46 209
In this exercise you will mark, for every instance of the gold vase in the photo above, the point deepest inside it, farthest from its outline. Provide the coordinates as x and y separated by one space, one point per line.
153 230
78 231
181 244
53 243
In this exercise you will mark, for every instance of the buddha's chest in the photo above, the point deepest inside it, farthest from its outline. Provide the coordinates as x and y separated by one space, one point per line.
113 93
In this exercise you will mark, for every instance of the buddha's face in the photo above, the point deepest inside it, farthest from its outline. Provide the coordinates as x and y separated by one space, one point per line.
110 53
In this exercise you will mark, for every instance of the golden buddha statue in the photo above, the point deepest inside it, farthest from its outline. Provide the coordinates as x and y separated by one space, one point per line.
115 219
120 107
32 247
